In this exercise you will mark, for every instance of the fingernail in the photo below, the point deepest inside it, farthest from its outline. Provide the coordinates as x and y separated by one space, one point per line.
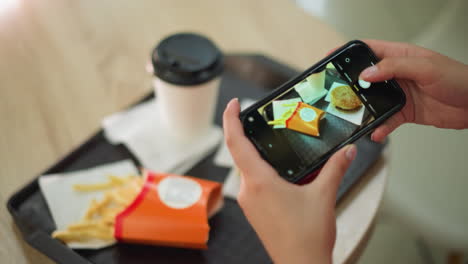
351 152
232 101
369 72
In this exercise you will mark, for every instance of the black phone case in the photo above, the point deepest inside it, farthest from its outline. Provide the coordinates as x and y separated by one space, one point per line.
232 239
321 64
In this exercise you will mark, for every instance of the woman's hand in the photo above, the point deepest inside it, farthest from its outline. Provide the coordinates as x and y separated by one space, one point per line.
436 86
295 223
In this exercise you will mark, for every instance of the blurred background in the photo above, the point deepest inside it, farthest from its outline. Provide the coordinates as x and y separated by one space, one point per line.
424 218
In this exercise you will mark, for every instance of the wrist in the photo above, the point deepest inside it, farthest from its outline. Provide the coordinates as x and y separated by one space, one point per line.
302 257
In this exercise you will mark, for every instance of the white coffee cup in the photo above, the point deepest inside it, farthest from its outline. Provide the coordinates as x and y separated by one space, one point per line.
187 69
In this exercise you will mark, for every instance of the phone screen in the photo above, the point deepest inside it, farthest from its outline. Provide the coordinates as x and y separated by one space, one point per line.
325 107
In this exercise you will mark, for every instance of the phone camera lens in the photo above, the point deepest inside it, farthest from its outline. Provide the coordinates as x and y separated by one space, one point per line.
347 60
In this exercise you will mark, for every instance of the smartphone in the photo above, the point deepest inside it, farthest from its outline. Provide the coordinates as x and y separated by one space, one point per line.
303 122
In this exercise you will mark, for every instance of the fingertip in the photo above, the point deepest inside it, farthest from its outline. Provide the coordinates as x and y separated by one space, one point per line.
232 109
335 168
369 73
350 152
233 104
378 135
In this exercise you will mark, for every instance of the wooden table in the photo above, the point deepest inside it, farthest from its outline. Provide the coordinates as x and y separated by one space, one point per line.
67 64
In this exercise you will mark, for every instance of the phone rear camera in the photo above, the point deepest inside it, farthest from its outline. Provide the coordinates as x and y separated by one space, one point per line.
347 60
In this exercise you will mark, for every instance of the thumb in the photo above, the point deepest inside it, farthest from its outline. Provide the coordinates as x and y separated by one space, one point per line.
387 127
331 174
418 69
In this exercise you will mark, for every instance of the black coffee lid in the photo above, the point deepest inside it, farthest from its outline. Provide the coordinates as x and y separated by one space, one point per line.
187 59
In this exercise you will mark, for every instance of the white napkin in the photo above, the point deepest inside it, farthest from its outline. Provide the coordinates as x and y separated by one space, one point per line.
67 206
354 117
231 185
139 130
312 89
223 157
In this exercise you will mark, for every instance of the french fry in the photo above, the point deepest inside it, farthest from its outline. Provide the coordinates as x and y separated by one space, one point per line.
113 181
83 235
97 206
98 221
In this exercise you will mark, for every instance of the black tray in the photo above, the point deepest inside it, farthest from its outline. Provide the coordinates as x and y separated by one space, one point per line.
232 239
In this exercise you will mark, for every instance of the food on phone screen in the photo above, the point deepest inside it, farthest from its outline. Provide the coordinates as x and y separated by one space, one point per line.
302 118
344 98
309 118
282 110
311 89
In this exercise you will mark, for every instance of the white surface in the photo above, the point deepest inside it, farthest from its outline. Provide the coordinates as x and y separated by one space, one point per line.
354 117
186 112
397 20
357 211
313 88
223 157
435 24
279 109
392 243
429 182
148 141
232 184
68 206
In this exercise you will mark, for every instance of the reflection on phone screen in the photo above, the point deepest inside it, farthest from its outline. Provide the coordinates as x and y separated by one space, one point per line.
316 114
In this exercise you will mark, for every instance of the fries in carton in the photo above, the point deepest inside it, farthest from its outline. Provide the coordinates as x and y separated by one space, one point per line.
160 209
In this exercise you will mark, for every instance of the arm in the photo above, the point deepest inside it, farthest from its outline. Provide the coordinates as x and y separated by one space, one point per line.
436 86
295 223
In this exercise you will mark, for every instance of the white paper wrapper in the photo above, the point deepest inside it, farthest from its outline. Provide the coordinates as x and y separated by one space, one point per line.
68 206
139 130
231 185
354 117
279 109
313 88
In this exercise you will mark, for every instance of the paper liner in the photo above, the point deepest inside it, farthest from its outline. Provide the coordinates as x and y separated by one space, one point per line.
68 206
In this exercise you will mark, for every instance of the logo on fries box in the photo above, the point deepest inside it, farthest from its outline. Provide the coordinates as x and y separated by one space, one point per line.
179 193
